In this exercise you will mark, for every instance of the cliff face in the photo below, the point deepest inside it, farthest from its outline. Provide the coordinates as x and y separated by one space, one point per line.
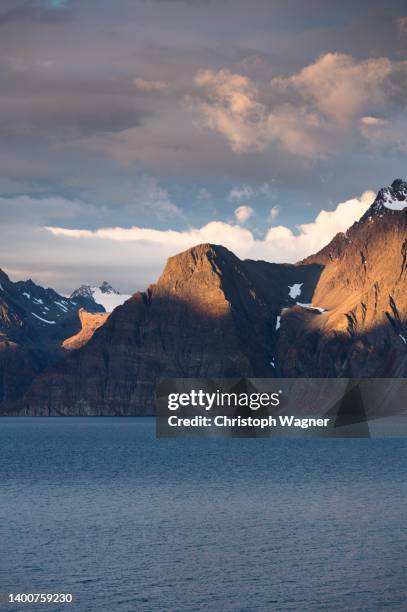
362 290
209 315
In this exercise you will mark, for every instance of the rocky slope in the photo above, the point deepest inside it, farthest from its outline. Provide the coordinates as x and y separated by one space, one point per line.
90 322
209 314
362 330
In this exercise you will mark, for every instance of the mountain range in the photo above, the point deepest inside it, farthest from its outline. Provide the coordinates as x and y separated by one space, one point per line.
341 312
34 324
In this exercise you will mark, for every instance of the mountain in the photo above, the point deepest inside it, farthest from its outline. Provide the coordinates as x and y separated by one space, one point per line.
33 323
341 312
17 366
209 314
362 329
47 309
105 295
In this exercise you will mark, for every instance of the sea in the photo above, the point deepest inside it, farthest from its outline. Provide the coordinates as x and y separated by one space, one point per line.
100 509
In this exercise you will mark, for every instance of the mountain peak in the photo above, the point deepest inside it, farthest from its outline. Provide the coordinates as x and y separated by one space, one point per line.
390 203
399 186
202 259
103 295
105 287
388 200
204 249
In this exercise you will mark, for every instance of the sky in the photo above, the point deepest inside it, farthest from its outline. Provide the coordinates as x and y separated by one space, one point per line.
132 130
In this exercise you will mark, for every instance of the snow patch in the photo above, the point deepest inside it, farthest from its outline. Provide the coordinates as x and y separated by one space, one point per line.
392 203
62 306
105 295
109 301
43 320
311 307
295 290
403 338
38 301
27 295
278 322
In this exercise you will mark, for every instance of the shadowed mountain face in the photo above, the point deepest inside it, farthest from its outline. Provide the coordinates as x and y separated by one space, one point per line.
341 312
33 323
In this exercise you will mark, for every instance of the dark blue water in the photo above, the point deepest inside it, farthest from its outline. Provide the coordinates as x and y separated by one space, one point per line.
100 508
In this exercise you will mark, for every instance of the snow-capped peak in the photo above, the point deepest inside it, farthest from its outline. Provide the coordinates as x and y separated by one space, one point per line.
105 295
392 198
83 291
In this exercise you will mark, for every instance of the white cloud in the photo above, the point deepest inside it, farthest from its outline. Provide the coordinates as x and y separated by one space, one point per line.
215 231
372 121
149 248
243 213
288 246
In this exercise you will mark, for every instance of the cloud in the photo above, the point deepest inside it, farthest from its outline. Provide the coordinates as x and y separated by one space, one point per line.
245 192
383 134
150 195
274 212
243 213
311 237
309 113
215 231
232 108
24 210
340 87
143 195
149 85
241 193
372 121
144 251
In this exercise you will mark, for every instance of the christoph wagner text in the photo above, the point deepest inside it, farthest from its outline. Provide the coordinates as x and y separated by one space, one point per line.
262 423
207 401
